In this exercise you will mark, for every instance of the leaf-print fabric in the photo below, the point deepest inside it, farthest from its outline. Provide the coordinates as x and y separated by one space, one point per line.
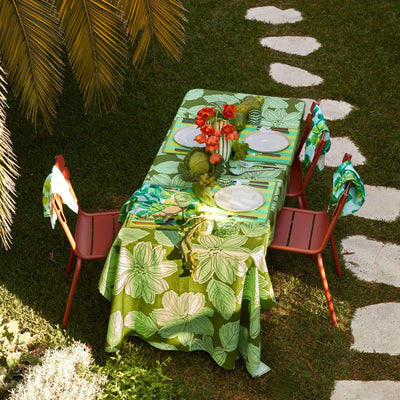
318 127
343 174
217 309
141 272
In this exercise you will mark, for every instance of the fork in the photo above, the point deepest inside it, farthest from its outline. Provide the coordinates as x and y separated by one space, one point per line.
247 164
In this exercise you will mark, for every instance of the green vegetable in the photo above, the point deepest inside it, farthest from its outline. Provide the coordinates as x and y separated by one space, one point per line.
189 168
198 162
204 194
239 121
239 150
250 103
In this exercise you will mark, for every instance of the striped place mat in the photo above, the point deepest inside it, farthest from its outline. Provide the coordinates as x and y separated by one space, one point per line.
261 214
170 145
284 156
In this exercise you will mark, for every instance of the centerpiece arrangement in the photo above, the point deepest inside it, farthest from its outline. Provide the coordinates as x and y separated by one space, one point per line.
216 132
218 126
206 164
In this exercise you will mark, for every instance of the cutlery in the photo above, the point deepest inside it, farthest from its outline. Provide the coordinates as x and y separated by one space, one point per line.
237 171
189 120
242 216
248 164
265 154
241 181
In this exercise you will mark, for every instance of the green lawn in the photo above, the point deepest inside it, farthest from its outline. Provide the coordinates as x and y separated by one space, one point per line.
109 156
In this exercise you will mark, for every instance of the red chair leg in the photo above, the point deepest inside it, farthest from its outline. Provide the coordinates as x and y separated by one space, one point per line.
335 256
304 201
72 292
326 288
70 260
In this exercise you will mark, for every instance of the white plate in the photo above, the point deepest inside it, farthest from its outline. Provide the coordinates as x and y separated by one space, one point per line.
239 198
266 141
185 136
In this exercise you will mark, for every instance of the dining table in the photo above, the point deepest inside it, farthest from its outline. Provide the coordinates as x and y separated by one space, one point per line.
214 302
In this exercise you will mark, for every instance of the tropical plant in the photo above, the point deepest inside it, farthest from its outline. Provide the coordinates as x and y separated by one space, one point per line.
95 35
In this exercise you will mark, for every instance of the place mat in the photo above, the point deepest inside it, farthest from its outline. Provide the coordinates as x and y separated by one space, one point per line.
170 146
284 156
259 215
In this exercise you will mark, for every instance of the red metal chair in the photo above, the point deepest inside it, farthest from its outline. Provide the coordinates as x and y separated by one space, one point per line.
306 231
93 236
297 184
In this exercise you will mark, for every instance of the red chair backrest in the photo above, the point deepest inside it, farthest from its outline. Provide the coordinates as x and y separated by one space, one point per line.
307 129
317 154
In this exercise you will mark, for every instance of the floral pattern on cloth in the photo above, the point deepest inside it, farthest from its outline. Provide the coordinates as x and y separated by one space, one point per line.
56 183
318 127
149 200
344 173
216 310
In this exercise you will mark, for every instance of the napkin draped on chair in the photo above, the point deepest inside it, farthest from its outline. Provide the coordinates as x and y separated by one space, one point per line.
344 173
56 183
318 127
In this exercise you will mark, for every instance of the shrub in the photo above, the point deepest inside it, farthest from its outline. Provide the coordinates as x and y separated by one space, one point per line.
64 374
127 380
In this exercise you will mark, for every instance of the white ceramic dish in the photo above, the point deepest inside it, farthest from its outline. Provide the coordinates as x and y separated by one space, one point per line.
239 198
266 141
185 136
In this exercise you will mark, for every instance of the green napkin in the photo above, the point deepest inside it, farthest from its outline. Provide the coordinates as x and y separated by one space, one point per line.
318 126
151 199
344 173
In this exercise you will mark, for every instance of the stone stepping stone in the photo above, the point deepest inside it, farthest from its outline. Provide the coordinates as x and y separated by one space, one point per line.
372 261
376 329
366 390
381 203
293 76
273 15
340 146
299 45
332 109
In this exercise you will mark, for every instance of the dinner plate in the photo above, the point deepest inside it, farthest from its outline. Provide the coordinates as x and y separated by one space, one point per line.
266 141
185 136
239 198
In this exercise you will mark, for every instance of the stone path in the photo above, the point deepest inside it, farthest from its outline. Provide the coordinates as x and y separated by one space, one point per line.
375 328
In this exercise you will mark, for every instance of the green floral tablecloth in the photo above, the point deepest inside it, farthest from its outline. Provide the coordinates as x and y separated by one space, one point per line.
217 308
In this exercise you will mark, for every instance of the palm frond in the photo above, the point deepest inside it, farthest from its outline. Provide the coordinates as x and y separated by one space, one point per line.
8 172
162 19
34 70
95 40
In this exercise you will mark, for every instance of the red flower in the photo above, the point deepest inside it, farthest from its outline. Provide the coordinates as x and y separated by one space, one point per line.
228 130
212 143
200 121
201 138
229 111
212 140
232 136
206 112
215 158
208 130
218 133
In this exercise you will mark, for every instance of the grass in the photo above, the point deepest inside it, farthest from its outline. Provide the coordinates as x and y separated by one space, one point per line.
109 156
